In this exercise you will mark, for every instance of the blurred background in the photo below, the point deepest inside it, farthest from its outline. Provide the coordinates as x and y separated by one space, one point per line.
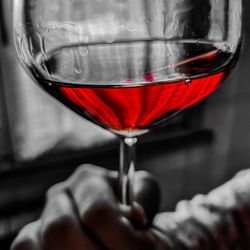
42 143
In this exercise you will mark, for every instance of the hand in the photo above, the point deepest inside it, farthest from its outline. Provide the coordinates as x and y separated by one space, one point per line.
83 213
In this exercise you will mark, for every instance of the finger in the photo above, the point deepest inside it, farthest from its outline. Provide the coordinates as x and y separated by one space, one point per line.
100 212
28 238
60 228
103 184
90 185
147 193
113 229
135 214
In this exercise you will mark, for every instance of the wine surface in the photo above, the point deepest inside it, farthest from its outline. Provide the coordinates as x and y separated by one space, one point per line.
130 87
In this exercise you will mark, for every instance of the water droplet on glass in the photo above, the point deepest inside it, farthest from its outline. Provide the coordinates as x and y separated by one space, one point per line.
188 82
22 48
31 47
22 29
225 47
83 51
46 67
78 70
77 63
110 39
42 44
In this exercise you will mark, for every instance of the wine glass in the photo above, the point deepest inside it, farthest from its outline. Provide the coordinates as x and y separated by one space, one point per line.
128 65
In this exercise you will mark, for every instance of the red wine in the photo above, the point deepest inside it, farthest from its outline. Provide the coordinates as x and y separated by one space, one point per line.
109 87
140 107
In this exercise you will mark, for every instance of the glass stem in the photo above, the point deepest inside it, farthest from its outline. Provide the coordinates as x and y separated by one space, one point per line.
127 168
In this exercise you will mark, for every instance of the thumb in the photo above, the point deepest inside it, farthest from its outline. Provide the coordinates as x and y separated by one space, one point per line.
147 193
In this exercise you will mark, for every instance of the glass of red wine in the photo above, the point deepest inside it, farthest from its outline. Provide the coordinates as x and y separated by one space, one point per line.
128 65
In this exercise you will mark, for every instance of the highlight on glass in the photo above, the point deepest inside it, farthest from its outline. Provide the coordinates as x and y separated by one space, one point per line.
131 65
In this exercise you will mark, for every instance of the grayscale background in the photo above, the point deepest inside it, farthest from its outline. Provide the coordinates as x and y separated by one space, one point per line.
41 142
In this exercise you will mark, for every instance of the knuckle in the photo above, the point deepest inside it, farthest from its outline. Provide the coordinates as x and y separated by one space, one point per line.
27 238
52 191
82 172
86 173
86 169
